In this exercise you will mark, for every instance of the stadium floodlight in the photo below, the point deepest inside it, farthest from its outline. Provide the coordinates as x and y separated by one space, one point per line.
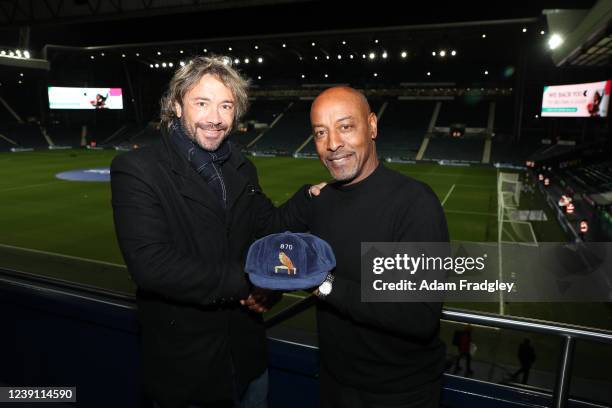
205 50
363 56
327 57
326 76
156 65
384 55
351 56
260 60
542 32
11 53
2 52
181 51
372 55
237 61
101 54
92 57
339 56
555 41
376 74
246 60
229 48
21 74
486 72
434 53
258 76
313 43
375 41
343 42
164 64
303 76
122 55
316 57
170 64
404 54
524 29
256 47
138 54
158 52
453 53
18 52
442 53
284 45
151 65
484 36
182 63
428 73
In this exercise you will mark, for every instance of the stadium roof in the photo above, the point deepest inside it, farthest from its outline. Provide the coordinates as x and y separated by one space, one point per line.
431 43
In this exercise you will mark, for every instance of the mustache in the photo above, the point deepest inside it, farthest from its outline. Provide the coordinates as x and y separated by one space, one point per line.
211 126
337 155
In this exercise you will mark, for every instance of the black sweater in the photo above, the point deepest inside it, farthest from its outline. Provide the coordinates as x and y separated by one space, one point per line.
378 347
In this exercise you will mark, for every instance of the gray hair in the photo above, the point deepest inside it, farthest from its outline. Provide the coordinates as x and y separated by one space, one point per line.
190 74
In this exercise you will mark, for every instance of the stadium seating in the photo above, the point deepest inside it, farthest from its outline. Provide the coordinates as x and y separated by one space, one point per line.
593 178
260 112
63 135
447 148
402 127
470 112
26 135
290 131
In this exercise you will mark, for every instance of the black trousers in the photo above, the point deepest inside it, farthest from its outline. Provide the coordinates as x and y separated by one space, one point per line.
335 395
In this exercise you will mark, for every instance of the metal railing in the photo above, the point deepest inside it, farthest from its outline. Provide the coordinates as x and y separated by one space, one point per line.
569 333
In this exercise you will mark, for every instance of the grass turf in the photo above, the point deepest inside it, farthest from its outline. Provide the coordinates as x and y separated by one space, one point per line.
64 229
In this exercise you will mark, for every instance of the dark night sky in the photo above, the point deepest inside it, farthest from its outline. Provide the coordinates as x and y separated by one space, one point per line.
273 19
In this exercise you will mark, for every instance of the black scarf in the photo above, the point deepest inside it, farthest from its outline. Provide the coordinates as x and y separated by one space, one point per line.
205 163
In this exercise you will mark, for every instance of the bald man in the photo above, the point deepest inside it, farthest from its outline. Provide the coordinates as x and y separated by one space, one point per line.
371 354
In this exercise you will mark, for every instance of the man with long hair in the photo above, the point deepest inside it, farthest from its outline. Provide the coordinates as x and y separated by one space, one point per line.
186 211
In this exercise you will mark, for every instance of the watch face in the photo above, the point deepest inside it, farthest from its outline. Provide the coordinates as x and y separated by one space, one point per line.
325 288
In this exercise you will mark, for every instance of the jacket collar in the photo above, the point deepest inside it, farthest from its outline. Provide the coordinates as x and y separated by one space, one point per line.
194 186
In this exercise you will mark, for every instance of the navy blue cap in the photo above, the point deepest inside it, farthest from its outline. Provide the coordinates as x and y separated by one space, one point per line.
289 261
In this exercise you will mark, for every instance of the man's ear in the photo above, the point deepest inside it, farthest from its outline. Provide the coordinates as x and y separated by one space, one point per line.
178 110
373 125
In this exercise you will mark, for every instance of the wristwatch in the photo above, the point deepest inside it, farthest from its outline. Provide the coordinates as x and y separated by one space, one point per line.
326 287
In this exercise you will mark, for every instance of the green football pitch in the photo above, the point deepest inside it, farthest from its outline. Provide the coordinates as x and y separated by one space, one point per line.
64 230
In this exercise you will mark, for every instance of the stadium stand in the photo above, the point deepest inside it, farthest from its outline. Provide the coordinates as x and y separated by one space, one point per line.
290 131
26 135
594 178
260 116
462 149
471 113
402 128
63 135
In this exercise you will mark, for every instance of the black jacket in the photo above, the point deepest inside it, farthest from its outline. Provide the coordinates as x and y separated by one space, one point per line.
186 255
